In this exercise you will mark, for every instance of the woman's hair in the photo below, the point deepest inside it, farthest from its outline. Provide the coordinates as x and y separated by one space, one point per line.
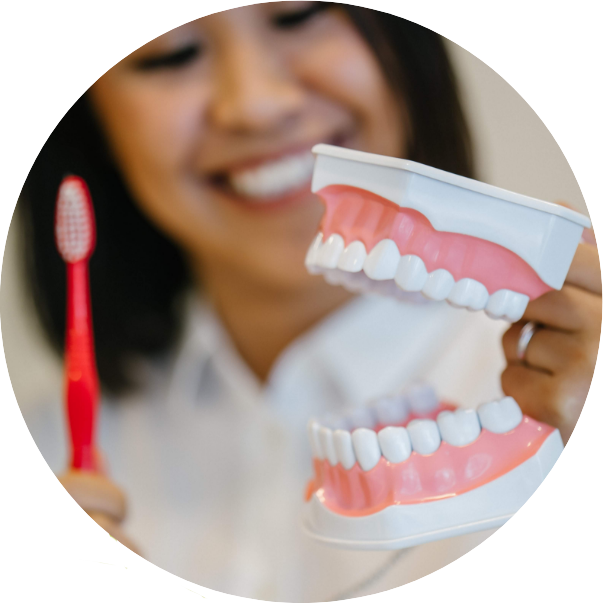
137 274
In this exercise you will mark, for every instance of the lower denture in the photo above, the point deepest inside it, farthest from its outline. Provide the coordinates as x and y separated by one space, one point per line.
450 471
358 215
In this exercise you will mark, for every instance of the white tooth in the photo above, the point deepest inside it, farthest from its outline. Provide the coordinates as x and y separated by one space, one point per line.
395 444
460 427
366 448
326 439
313 436
411 273
438 284
382 261
330 251
312 254
501 416
342 441
507 304
422 399
468 293
353 257
424 435
392 411
361 417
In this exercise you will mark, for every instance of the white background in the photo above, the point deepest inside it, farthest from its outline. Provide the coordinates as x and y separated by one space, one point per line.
46 536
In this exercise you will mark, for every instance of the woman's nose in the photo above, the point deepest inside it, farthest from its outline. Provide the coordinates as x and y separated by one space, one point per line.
255 93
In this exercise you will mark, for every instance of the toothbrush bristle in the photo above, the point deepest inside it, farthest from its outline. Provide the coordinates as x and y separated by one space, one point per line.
74 220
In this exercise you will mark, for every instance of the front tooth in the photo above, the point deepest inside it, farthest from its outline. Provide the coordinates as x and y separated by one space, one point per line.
382 261
438 285
459 428
395 444
366 448
424 435
330 251
501 416
507 304
329 451
315 443
361 417
342 441
353 257
411 273
422 399
468 293
312 254
392 411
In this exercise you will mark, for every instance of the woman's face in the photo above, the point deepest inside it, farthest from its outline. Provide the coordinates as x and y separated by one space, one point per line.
213 122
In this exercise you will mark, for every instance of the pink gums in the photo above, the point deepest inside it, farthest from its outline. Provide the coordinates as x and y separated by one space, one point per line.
448 472
358 215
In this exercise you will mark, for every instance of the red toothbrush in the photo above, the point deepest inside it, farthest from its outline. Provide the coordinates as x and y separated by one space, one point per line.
75 235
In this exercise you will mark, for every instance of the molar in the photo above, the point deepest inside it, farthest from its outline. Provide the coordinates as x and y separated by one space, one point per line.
312 254
353 257
382 262
395 444
411 273
507 304
460 427
392 411
424 435
342 441
438 285
366 448
313 436
468 293
361 417
501 416
422 399
329 254
327 446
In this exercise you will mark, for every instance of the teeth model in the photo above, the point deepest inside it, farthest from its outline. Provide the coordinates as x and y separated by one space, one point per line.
396 227
410 469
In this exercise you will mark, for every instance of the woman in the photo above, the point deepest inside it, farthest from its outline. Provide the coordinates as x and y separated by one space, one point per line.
188 146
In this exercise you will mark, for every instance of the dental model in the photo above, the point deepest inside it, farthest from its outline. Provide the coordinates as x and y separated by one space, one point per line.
410 470
401 228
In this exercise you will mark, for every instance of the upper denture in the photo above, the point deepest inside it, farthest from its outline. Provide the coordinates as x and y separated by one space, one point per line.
359 215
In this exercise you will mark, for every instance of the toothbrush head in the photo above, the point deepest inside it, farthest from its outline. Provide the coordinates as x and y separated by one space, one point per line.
75 231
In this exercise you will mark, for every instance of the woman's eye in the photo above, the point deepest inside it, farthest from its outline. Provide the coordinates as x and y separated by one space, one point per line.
170 60
290 20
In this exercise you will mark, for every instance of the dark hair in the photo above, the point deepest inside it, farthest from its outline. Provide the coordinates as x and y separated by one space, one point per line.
137 274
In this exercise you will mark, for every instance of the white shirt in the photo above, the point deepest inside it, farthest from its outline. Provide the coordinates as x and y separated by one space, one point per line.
215 464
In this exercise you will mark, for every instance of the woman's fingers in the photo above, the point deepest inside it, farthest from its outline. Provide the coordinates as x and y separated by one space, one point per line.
553 399
584 271
95 494
548 350
570 309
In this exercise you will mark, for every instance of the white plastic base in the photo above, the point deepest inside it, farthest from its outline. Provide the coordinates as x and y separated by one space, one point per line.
543 234
402 526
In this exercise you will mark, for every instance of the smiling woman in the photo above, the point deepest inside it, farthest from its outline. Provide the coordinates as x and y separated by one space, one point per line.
210 116
214 343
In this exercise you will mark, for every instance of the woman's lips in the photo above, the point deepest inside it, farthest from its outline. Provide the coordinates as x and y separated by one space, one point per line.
278 180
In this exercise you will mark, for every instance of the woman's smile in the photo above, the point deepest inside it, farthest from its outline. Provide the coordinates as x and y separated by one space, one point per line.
213 125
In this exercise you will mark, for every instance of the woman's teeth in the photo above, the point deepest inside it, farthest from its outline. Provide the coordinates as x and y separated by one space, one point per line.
274 178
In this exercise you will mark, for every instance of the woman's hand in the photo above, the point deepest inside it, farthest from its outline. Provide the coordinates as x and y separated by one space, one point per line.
552 382
101 499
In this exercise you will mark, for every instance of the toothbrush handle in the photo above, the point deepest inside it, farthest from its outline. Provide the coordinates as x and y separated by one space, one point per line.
81 379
